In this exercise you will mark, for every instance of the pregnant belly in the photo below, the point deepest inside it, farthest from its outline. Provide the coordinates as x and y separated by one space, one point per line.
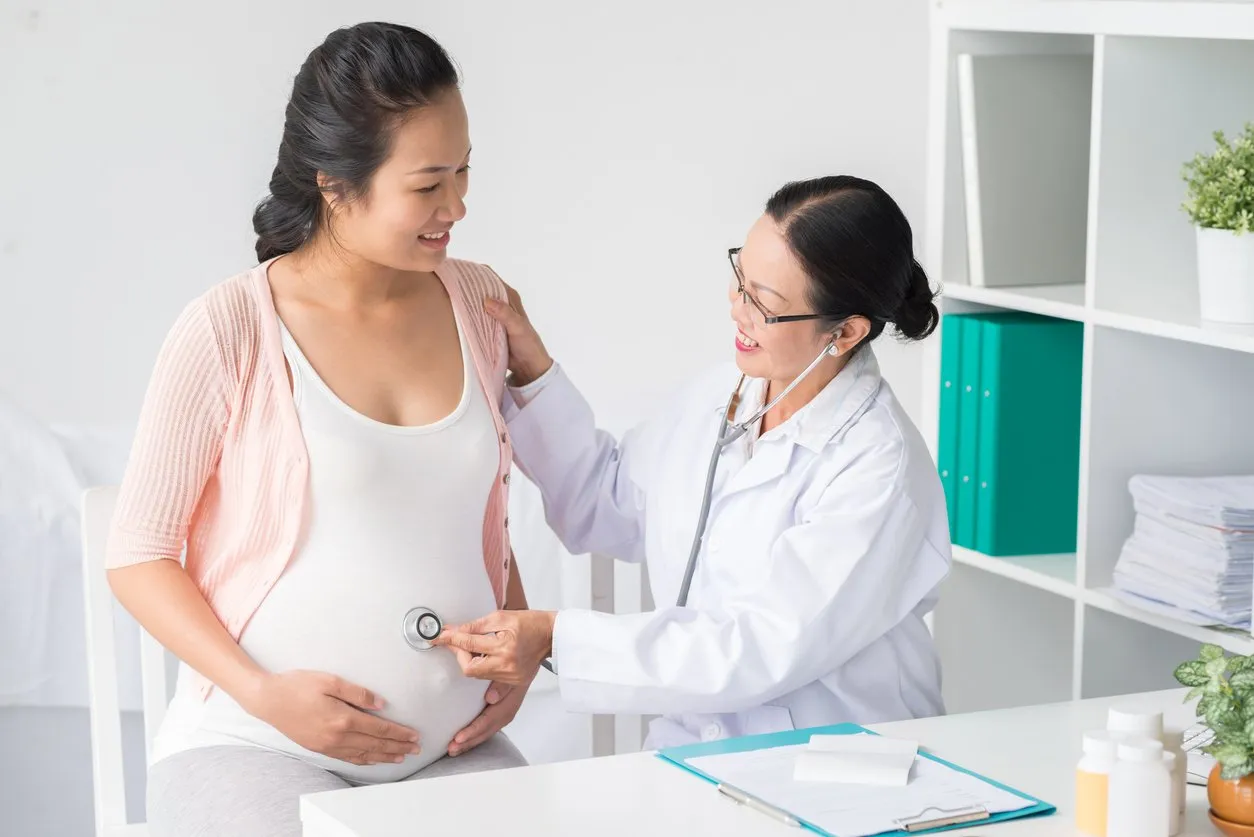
344 617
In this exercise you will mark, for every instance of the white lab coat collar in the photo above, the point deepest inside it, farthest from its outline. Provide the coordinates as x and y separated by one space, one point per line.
814 425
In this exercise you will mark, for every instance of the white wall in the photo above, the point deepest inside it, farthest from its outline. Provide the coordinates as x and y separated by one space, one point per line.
619 150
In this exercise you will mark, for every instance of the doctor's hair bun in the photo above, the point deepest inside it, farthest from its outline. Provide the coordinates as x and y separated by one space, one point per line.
917 316
856 245
348 97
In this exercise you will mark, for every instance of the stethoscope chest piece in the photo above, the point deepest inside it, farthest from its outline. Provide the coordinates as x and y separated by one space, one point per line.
420 627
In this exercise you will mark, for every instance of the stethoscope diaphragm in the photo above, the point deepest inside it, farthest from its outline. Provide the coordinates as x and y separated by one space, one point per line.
420 627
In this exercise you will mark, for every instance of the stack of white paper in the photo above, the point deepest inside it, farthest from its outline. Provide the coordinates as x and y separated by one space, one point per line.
1191 552
856 759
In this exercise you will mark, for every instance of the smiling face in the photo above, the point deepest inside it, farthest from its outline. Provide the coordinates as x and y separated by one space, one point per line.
404 218
774 285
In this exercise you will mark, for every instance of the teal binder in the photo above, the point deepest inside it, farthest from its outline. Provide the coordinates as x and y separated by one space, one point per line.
1028 459
679 756
968 420
947 436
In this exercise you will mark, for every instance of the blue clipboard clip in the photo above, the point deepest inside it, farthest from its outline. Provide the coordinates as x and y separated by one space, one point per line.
930 818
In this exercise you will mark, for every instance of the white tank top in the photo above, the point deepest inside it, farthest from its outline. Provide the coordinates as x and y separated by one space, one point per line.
395 522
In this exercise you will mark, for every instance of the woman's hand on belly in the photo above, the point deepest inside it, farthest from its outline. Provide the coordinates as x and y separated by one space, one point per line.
326 714
503 702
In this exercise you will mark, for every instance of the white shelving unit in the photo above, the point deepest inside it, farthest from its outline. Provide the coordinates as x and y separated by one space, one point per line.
1163 392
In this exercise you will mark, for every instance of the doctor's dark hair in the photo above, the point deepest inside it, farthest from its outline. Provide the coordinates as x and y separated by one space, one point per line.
347 100
857 248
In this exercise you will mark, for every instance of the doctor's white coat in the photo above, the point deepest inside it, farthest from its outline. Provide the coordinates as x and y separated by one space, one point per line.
827 540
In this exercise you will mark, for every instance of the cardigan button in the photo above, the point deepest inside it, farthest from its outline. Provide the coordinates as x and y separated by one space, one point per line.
505 480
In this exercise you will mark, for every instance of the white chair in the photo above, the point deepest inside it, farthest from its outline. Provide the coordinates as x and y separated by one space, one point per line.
109 792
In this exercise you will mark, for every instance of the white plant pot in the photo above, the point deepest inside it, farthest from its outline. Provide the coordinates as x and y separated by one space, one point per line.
1225 275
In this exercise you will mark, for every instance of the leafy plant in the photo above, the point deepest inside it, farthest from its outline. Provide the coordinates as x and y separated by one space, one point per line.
1226 688
1221 184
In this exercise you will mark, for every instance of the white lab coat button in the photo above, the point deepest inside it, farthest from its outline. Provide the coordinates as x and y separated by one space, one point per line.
711 732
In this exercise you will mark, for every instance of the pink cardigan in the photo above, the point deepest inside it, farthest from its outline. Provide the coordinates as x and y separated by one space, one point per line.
219 462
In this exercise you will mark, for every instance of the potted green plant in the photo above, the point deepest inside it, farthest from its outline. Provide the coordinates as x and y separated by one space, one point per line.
1224 690
1220 204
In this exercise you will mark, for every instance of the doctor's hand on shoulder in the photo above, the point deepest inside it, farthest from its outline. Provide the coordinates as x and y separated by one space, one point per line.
528 359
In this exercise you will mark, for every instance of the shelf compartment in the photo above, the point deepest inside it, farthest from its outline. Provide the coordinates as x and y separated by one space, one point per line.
1052 573
1160 102
1160 407
1033 655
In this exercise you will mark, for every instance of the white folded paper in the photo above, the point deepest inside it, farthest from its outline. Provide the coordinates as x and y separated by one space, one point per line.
1191 550
857 760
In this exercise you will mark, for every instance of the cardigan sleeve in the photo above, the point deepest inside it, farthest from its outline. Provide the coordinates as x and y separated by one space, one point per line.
177 445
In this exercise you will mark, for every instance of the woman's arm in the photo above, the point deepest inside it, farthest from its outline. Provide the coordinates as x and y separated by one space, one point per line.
177 445
165 601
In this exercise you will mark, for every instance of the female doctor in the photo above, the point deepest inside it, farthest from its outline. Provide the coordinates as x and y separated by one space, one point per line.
827 533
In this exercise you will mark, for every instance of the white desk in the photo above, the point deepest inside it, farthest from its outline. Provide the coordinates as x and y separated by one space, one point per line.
1032 749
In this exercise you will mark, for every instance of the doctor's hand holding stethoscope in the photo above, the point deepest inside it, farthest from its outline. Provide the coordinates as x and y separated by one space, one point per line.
790 513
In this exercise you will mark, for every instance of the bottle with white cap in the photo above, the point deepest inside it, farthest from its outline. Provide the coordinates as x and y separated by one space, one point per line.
1173 742
1133 722
1092 782
1140 800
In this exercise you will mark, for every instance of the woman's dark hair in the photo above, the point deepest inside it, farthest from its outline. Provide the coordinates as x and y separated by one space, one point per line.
857 248
349 96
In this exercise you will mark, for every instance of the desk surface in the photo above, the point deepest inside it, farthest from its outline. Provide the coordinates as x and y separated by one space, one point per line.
1033 749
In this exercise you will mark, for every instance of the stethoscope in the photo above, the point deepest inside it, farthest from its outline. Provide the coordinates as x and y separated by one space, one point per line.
422 625
728 433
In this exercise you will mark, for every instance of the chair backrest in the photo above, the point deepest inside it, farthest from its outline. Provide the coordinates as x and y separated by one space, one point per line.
102 670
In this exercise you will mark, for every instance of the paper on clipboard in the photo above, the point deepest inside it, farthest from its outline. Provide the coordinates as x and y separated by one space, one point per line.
854 810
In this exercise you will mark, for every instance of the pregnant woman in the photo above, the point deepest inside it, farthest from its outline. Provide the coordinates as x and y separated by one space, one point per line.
322 435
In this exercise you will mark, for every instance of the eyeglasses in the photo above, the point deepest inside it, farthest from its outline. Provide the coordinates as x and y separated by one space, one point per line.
733 256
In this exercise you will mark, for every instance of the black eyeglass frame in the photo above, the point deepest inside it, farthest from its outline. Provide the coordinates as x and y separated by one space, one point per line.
770 318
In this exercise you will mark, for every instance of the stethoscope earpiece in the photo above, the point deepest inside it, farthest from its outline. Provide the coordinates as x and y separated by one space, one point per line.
420 626
834 350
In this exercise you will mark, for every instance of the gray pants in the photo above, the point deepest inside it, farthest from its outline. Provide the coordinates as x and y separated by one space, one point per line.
250 792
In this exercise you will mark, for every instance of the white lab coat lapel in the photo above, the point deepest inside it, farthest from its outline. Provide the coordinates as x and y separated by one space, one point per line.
815 424
769 462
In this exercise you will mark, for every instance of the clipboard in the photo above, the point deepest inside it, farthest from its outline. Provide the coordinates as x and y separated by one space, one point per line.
930 821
